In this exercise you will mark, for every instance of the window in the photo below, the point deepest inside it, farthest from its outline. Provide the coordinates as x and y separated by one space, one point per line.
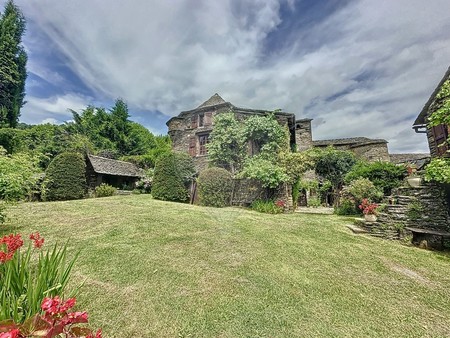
201 118
203 141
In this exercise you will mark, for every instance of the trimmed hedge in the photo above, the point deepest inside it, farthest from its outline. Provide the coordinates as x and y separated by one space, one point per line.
215 186
173 173
65 178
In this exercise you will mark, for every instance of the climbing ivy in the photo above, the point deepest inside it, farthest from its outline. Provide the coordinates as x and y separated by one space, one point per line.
442 114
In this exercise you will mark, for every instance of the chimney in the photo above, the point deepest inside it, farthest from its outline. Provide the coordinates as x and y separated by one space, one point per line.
303 135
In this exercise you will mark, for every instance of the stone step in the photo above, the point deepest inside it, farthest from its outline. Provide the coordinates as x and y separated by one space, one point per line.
356 229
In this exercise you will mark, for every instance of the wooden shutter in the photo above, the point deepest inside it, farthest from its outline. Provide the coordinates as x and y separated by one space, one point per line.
440 134
208 118
194 121
192 146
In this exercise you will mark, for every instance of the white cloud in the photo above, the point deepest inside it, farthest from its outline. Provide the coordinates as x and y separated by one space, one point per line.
49 120
171 56
38 110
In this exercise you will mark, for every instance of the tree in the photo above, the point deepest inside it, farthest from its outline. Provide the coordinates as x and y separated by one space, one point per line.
333 165
13 59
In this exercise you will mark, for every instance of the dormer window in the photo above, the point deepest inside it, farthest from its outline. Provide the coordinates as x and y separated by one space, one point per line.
201 119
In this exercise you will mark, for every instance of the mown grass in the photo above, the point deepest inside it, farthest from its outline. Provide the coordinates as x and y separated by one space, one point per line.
157 269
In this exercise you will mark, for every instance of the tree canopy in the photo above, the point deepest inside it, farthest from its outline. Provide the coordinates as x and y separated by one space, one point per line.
13 59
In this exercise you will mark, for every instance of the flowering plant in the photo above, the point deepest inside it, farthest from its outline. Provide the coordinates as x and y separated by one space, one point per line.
368 208
280 204
23 284
56 321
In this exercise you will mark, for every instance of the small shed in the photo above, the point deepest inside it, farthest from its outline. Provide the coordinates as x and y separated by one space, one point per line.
119 174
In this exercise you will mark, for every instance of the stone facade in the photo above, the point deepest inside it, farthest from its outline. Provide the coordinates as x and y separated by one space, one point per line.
365 148
190 130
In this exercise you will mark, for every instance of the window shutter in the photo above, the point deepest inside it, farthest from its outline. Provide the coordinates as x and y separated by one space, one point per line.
194 121
440 134
192 146
208 118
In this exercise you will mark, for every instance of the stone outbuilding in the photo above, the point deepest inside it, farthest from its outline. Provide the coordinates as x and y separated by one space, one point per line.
119 174
365 148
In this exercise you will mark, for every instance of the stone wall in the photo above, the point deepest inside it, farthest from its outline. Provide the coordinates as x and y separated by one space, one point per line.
423 207
303 134
245 191
372 152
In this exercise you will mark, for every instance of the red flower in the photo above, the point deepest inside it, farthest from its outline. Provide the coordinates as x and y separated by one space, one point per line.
38 240
13 243
15 333
97 335
367 207
280 204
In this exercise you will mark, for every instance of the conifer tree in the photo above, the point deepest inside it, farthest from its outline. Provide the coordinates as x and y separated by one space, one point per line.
13 59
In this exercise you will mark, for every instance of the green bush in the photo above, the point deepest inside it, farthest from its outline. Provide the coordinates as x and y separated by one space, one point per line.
384 175
347 207
65 178
105 190
172 176
362 188
215 186
313 202
18 176
268 207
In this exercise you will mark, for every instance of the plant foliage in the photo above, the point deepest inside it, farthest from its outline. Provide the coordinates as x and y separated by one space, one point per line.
65 178
215 186
13 59
105 190
172 176
384 175
438 170
18 176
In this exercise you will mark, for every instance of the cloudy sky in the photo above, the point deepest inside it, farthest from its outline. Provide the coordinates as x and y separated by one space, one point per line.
357 67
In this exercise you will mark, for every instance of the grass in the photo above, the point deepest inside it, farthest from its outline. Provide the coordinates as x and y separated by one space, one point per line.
157 269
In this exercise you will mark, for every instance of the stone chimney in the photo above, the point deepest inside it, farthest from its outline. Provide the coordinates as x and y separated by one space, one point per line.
303 135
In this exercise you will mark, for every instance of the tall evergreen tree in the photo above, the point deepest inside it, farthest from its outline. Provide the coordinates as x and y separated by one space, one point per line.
13 59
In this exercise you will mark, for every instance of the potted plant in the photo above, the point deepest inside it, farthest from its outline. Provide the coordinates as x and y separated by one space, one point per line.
413 179
369 210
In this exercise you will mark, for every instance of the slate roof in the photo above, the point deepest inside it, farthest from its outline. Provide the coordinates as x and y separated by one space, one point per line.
420 120
352 141
212 101
418 159
108 166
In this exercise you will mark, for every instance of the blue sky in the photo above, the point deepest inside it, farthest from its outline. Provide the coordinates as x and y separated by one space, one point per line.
357 67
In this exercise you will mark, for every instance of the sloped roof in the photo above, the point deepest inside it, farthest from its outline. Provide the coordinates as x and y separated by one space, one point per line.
418 159
108 166
212 101
420 120
348 141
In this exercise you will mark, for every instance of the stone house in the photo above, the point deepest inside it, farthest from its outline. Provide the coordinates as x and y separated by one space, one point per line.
190 131
119 174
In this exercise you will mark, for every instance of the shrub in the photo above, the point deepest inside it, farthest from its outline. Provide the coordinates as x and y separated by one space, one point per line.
24 282
215 186
268 207
144 185
362 188
313 202
173 173
268 173
105 190
65 178
18 176
347 207
384 175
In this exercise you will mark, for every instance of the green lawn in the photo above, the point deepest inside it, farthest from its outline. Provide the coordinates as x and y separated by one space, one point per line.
157 269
